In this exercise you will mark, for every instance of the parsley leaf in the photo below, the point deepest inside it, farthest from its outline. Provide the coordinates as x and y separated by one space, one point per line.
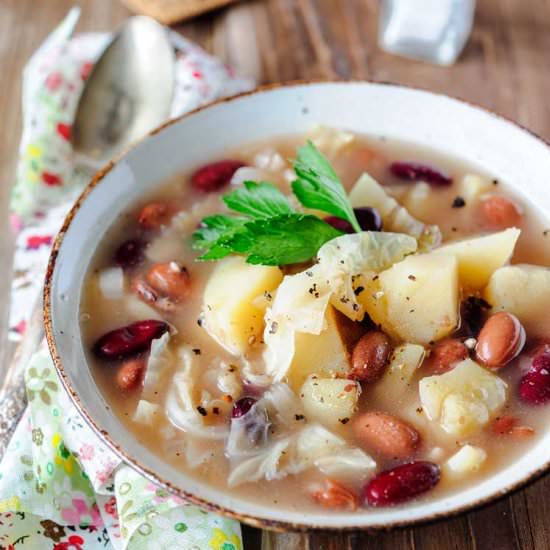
281 240
258 200
268 230
317 186
213 232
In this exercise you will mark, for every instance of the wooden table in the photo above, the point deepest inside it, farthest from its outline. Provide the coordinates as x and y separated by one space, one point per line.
505 67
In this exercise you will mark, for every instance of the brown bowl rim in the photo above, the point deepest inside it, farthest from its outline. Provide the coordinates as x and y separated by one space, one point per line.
249 519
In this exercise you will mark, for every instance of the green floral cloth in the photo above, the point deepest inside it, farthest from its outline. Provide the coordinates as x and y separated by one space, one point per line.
62 488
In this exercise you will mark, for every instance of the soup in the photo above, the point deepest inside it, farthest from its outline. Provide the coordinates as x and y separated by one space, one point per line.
362 326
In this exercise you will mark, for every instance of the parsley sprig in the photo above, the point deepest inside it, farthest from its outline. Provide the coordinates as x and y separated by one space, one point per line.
268 230
317 186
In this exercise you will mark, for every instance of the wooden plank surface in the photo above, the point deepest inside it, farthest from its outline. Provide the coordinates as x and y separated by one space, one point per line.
505 67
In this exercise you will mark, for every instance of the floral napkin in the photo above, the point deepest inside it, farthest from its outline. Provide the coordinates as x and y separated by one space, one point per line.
60 486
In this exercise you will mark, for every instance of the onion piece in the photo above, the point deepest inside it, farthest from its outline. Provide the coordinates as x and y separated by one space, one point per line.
111 282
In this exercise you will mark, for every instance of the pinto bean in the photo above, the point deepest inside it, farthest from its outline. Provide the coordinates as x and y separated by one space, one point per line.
501 339
333 495
149 295
370 356
169 279
499 212
154 215
386 435
445 354
130 373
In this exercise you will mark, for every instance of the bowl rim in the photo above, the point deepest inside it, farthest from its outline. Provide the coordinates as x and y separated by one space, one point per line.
247 518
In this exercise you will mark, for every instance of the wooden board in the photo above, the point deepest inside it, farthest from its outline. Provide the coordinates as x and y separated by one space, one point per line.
172 11
505 67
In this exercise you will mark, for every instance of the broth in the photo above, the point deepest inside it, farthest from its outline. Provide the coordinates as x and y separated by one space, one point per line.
434 205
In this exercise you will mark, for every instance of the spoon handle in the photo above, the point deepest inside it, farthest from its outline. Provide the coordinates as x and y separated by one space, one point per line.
13 396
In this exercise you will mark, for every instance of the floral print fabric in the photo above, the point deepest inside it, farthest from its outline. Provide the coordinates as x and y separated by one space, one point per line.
60 486
48 175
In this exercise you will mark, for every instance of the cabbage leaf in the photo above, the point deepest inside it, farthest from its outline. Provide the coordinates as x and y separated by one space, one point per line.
301 300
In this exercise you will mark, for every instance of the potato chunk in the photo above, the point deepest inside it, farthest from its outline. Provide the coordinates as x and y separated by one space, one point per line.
368 192
404 362
466 461
232 315
478 258
416 300
464 399
330 401
472 186
323 354
523 290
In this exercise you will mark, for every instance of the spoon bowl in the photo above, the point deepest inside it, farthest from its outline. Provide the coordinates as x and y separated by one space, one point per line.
129 90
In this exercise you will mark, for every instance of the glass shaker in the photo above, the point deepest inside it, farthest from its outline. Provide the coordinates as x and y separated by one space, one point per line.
430 30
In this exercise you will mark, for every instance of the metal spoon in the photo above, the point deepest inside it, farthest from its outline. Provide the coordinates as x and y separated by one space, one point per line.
128 93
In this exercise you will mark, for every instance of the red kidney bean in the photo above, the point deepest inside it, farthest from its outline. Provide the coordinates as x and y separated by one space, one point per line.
129 253
401 483
338 223
129 340
369 218
213 177
413 171
242 406
534 387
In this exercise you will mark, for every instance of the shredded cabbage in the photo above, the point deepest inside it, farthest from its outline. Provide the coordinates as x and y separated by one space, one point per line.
248 433
145 412
348 465
256 451
183 399
277 407
368 192
344 258
229 380
160 359
282 404
265 464
288 455
301 300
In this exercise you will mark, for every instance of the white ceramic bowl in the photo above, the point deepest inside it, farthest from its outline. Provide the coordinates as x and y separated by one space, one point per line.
498 146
